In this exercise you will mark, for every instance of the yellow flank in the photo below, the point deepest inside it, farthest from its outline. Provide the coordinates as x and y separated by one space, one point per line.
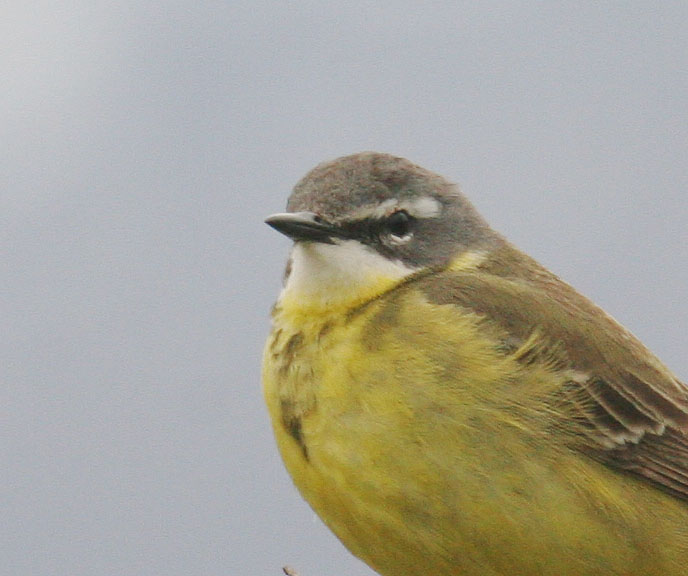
427 448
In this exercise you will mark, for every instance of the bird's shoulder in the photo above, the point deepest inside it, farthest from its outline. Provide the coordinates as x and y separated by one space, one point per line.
623 407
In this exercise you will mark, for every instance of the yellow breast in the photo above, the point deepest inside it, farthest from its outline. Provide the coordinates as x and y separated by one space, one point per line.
424 447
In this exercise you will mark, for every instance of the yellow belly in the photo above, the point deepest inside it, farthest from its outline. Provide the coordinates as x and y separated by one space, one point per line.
427 450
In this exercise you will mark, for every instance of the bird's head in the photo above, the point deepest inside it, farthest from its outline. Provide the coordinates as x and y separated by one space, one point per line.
363 223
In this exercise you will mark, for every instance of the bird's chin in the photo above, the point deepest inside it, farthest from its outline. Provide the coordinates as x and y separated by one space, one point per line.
339 273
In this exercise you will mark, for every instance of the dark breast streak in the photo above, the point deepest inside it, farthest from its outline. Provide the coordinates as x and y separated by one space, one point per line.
292 356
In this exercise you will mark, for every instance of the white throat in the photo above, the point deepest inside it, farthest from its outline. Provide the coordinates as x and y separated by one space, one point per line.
330 275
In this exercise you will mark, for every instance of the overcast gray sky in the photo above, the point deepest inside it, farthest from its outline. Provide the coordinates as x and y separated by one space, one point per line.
142 144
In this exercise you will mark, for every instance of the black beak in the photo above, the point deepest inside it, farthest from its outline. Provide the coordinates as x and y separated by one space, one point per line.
304 226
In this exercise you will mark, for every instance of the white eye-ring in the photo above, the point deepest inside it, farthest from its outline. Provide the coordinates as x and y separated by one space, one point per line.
398 227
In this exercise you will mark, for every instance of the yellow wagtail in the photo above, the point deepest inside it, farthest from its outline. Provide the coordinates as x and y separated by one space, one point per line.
449 407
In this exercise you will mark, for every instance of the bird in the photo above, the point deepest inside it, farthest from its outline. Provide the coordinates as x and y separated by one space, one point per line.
449 407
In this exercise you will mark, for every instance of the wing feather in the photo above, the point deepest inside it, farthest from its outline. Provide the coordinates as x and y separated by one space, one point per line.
626 409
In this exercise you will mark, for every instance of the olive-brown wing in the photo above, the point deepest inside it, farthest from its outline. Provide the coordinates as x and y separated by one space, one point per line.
627 409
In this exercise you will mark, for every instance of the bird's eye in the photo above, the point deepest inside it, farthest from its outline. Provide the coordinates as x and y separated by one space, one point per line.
398 224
